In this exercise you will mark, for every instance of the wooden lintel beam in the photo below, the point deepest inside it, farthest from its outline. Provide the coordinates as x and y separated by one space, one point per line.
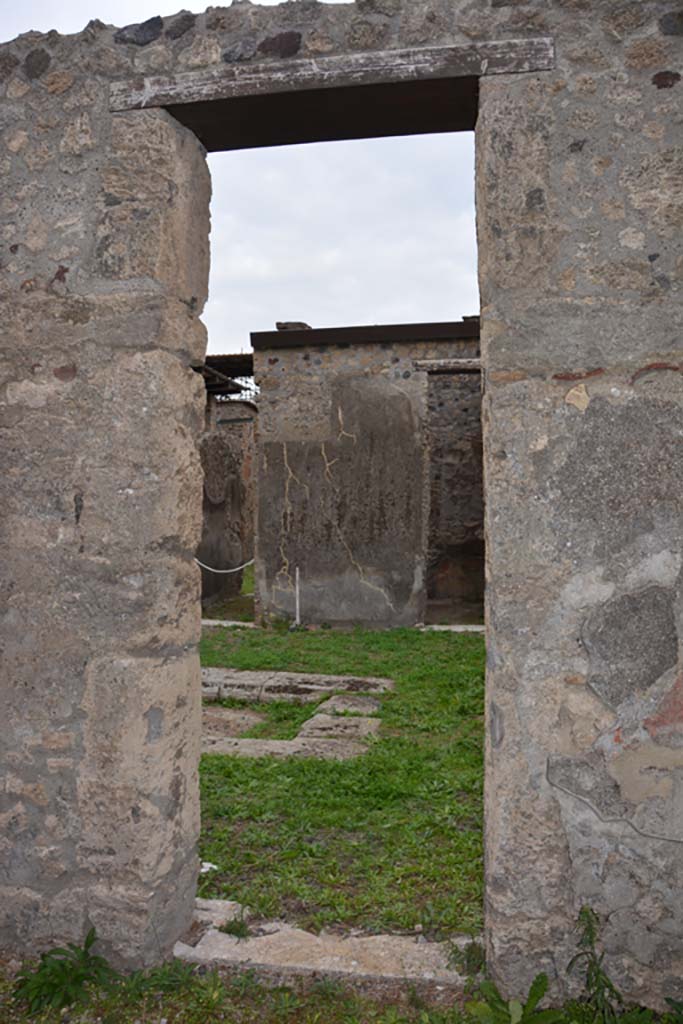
385 66
448 365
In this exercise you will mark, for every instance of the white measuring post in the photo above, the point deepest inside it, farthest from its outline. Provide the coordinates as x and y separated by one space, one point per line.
297 602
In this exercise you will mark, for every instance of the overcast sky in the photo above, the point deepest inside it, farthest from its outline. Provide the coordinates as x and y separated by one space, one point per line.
335 234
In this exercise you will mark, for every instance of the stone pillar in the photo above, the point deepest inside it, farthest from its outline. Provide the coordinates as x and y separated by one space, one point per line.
578 216
104 273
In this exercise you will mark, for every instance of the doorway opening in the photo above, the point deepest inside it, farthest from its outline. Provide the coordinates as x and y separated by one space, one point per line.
455 553
352 439
320 237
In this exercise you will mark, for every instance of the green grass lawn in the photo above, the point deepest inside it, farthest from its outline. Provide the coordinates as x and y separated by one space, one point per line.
388 841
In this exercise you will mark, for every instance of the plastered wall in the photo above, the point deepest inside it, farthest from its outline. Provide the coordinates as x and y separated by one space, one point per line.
343 480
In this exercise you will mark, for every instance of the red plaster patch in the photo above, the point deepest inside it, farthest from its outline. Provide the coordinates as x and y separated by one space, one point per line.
653 366
581 375
60 274
65 373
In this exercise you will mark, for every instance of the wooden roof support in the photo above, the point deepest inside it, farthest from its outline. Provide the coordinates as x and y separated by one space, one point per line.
373 334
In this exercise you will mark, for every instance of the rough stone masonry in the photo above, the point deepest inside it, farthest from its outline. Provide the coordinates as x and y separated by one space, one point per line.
104 259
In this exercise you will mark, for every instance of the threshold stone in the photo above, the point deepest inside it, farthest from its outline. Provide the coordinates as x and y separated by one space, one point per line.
378 965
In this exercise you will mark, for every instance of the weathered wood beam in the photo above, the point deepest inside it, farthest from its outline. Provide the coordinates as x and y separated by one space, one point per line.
448 365
471 60
369 335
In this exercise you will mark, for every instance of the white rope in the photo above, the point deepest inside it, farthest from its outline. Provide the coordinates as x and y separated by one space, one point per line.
222 571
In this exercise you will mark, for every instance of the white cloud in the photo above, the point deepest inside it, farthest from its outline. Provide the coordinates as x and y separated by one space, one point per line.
373 231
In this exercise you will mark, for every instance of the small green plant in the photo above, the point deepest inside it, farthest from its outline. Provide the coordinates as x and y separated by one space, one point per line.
245 984
603 998
469 959
63 975
169 978
286 1003
493 1009
675 1012
238 928
173 976
212 993
328 989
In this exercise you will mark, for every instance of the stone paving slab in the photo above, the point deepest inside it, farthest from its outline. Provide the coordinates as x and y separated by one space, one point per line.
329 749
380 964
453 629
228 623
215 913
217 721
297 687
356 727
348 704
336 732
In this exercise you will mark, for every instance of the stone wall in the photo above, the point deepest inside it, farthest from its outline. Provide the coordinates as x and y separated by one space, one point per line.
221 542
103 229
343 480
455 552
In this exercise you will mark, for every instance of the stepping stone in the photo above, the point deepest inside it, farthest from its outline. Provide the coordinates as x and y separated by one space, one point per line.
228 721
381 965
296 687
352 727
218 912
228 624
329 749
453 629
228 682
343 704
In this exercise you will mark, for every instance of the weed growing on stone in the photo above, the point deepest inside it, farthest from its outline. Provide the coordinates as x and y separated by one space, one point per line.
238 928
469 959
492 1008
603 1000
600 1003
389 841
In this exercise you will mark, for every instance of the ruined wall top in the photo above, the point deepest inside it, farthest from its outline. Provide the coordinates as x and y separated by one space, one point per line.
306 28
